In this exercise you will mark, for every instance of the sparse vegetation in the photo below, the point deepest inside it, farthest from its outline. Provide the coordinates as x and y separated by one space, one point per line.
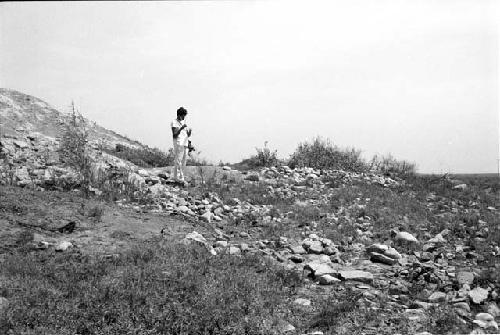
323 154
390 166
264 157
74 149
143 157
154 289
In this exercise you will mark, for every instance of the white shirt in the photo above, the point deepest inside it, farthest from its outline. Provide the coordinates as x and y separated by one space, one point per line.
183 137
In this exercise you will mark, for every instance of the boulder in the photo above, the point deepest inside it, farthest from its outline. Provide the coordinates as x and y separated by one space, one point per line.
478 295
392 253
405 237
379 258
297 250
378 248
316 247
319 269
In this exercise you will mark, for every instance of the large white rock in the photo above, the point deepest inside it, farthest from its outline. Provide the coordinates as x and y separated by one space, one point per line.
319 269
478 295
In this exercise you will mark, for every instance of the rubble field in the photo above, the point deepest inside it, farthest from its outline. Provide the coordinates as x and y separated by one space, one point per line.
369 254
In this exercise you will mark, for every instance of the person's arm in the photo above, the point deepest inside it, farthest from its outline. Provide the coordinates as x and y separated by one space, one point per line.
176 130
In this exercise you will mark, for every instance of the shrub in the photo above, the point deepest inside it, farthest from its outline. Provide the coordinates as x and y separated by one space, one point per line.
264 157
144 156
388 165
323 154
74 149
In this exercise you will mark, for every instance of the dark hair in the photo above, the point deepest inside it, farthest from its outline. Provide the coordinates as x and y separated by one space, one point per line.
182 111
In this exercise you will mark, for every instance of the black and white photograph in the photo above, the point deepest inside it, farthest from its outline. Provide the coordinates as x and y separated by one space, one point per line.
250 167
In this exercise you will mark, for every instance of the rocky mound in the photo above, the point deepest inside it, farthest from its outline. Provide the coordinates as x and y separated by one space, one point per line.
23 115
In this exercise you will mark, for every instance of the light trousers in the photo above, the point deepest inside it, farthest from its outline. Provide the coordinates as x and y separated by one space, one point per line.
180 158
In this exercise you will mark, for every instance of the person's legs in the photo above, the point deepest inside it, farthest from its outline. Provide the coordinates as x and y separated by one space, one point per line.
183 154
177 161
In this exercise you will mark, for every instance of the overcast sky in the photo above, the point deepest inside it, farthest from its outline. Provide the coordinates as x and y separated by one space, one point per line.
417 79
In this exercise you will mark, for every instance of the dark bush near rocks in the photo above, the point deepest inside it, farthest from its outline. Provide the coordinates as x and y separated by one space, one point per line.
323 154
143 157
390 166
265 157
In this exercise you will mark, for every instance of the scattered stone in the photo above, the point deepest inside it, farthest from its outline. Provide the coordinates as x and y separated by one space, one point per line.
357 275
252 177
460 187
221 244
296 258
465 277
405 237
195 237
494 310
437 297
378 248
64 245
417 314
20 144
478 295
207 217
302 302
183 209
379 258
486 321
393 253
319 269
234 250
327 280
316 247
298 250
438 239
287 328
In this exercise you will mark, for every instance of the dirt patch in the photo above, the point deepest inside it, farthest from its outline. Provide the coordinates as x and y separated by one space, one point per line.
29 216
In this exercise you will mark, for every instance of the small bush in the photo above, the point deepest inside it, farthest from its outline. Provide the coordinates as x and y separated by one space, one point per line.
388 166
143 157
323 154
74 149
265 157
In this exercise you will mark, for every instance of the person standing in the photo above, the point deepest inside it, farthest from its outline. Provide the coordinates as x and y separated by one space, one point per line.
180 135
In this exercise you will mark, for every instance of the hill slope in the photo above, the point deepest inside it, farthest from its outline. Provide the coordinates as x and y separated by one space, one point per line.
22 114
